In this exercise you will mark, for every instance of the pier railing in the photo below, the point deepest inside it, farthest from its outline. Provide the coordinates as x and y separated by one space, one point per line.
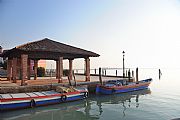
104 72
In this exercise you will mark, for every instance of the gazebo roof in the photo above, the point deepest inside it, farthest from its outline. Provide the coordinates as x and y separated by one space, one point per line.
48 49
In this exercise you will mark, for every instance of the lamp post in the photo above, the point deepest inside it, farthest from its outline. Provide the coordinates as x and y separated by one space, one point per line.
123 64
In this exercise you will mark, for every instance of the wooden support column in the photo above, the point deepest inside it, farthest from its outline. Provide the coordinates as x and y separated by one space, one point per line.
87 72
35 69
14 69
70 69
9 69
29 69
24 62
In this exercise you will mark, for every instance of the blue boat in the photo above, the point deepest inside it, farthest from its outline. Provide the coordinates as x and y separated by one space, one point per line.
35 99
122 86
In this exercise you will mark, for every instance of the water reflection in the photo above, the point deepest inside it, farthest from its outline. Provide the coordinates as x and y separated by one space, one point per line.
91 108
122 99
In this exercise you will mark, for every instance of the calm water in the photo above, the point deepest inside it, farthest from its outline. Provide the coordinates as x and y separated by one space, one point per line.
160 102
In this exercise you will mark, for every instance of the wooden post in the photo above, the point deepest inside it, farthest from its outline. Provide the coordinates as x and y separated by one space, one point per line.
137 79
95 71
116 72
132 73
129 75
75 83
160 73
100 76
126 73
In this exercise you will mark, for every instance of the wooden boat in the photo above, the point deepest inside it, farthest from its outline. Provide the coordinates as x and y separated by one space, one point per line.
34 99
122 86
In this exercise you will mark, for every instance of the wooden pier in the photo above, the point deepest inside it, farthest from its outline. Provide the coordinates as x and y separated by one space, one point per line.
49 84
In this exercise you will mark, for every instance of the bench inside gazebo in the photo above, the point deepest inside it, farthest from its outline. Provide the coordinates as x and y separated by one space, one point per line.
19 60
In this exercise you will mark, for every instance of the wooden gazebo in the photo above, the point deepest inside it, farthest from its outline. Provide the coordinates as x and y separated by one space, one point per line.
18 64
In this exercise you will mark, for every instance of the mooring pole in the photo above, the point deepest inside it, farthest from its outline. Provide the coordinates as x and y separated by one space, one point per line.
137 79
129 75
123 64
132 73
100 76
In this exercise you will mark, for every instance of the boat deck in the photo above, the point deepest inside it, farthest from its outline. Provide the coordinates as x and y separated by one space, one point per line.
27 95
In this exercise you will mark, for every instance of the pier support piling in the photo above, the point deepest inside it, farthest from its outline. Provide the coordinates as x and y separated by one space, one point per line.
129 74
100 76
137 77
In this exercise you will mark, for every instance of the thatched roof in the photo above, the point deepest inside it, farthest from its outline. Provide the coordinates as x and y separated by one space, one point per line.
49 49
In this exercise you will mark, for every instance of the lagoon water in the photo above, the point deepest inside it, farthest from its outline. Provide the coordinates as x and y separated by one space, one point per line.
160 102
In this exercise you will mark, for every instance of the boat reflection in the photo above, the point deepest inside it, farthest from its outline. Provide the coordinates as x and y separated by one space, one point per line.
124 99
91 108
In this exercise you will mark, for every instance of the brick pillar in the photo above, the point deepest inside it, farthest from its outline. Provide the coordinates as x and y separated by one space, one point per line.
70 69
19 69
24 62
57 69
60 69
14 69
9 69
35 69
29 69
87 72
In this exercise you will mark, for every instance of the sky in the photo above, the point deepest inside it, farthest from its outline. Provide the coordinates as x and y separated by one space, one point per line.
147 30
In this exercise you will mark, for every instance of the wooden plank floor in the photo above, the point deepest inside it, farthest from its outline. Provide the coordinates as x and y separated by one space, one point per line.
49 80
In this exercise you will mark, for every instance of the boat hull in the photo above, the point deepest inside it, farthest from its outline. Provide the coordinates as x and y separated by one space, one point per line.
122 89
30 102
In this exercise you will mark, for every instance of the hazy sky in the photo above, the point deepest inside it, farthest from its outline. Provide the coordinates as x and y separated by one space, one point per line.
147 30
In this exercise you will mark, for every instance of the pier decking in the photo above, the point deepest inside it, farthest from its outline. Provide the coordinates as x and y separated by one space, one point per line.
51 80
48 83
